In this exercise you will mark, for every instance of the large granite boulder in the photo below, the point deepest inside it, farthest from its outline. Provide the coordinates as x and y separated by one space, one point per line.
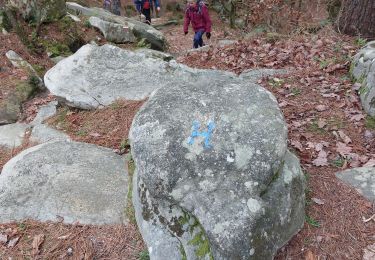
113 32
76 182
213 174
96 76
363 71
40 10
362 179
139 29
12 135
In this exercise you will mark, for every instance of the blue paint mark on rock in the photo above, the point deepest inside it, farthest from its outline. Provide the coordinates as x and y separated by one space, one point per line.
206 135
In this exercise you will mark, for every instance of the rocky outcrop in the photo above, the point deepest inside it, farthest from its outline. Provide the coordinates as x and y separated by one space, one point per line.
97 76
363 71
10 104
138 29
362 179
113 32
213 174
12 135
38 10
69 181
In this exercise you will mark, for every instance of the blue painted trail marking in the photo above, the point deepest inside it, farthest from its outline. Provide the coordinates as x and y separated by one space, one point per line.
206 135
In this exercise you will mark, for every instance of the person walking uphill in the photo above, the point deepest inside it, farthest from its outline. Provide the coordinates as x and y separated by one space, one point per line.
145 7
197 14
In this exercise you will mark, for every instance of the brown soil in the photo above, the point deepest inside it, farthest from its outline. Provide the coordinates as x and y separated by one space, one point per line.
59 241
107 127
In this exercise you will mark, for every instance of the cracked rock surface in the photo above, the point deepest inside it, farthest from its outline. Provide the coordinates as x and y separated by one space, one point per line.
213 174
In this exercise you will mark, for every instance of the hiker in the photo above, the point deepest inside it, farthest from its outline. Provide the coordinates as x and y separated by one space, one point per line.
113 6
197 14
145 7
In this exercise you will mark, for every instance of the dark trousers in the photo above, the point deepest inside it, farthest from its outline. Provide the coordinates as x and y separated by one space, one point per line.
198 39
147 13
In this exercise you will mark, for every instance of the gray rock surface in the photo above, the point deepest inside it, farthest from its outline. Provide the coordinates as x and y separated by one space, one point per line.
256 74
139 29
225 42
74 17
45 112
57 59
47 10
18 62
155 54
43 133
363 71
362 179
12 135
74 181
213 174
97 76
113 32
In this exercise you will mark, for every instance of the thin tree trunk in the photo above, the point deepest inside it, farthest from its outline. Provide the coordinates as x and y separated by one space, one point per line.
357 18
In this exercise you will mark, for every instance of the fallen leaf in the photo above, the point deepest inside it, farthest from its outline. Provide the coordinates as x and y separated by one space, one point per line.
369 252
297 145
318 201
309 256
37 242
344 137
321 123
370 163
343 149
357 117
321 108
95 134
321 160
13 242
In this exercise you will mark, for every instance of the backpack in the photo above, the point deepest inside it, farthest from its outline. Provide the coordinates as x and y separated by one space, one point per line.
146 4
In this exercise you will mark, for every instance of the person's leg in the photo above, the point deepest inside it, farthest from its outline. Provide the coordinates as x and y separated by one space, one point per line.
147 13
198 41
201 38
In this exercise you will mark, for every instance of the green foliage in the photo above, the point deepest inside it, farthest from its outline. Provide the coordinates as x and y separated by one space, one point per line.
338 162
144 255
129 211
360 42
370 122
296 91
202 244
311 221
57 49
4 21
314 127
87 24
183 253
81 132
276 82
143 43
22 226
124 144
39 69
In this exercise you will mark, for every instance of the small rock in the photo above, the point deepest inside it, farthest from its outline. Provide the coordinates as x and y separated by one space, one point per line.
3 239
318 201
13 242
69 251
321 108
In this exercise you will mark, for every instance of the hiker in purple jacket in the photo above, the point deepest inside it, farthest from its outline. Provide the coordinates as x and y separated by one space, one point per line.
197 14
145 7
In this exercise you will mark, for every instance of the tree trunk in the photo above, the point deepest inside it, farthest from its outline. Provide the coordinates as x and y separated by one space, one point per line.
357 18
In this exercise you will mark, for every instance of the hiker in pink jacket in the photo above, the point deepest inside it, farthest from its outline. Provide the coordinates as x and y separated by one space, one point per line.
197 14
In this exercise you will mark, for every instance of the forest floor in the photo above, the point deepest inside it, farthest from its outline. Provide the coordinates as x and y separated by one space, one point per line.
328 130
